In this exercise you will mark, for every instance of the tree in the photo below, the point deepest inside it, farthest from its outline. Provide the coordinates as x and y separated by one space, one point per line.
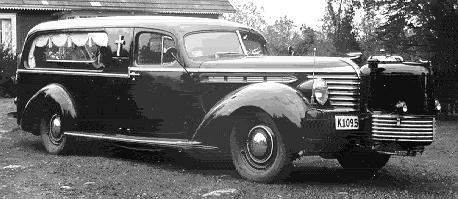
306 42
248 14
281 35
366 30
338 26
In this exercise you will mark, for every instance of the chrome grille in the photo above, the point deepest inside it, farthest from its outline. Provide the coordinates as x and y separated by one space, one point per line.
403 128
343 91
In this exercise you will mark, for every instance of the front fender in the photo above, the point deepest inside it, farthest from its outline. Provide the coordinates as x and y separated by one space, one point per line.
50 96
284 104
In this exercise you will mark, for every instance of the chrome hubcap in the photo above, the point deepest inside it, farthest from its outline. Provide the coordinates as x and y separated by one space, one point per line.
55 132
260 144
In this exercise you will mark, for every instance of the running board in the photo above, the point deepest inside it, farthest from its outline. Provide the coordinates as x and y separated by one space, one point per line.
163 142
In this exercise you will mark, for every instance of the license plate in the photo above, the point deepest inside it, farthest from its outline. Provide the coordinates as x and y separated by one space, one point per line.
346 122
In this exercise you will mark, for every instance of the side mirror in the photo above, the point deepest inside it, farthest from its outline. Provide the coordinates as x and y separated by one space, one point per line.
290 51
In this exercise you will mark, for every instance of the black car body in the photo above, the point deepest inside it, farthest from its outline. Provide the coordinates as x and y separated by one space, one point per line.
208 87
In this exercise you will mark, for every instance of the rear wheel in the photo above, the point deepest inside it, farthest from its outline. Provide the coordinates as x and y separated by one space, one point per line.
257 149
52 134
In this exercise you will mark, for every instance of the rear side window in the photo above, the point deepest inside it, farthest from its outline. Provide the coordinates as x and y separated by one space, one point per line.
79 50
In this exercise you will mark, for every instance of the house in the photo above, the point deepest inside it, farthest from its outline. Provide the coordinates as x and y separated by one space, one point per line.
17 17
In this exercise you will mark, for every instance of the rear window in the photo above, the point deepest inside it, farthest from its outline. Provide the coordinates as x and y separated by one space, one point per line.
79 50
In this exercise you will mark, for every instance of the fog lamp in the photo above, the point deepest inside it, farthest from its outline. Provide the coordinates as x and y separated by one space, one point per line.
404 108
320 91
401 105
438 105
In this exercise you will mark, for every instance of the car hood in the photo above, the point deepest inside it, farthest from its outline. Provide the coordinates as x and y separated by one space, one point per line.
282 63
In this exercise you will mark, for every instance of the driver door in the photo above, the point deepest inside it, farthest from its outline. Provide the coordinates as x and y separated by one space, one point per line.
161 94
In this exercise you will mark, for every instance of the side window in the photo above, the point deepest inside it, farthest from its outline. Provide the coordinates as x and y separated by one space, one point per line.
254 44
152 48
79 50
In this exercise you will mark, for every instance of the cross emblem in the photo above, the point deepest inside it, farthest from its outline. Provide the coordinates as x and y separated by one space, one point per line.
120 42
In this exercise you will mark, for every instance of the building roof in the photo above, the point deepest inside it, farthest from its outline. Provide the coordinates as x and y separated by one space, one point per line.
157 6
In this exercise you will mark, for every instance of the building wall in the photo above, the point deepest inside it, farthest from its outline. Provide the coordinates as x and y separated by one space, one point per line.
26 21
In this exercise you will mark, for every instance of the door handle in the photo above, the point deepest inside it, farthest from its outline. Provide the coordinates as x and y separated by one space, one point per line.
133 75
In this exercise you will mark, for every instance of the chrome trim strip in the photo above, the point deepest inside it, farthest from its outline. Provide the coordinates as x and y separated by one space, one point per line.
402 129
333 103
332 87
161 69
343 98
63 72
401 132
400 140
404 121
340 110
403 125
178 143
353 93
349 76
343 82
404 116
247 79
241 70
64 69
404 136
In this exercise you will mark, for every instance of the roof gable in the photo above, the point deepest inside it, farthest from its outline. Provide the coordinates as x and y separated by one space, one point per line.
158 6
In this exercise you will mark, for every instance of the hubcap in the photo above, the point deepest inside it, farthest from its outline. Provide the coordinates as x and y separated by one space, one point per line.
260 144
55 133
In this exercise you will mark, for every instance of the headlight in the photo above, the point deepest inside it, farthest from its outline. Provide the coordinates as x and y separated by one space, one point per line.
438 105
320 91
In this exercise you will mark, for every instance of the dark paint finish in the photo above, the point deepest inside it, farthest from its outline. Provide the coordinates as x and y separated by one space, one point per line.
51 96
284 104
406 82
404 68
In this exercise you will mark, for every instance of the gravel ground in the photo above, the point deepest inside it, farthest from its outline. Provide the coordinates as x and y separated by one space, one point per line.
100 170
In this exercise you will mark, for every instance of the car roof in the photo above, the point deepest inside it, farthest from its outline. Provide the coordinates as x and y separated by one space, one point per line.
174 24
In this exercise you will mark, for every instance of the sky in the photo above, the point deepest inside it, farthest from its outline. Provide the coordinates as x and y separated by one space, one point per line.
308 12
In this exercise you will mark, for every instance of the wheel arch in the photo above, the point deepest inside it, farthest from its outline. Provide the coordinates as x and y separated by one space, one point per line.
282 103
53 96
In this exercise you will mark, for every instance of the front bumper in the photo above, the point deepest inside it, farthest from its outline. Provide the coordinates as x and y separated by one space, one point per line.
404 135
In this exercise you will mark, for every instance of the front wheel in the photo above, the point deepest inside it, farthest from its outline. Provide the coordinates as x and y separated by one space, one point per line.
363 161
52 134
257 149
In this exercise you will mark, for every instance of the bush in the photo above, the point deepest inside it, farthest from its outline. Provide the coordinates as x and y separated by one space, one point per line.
7 71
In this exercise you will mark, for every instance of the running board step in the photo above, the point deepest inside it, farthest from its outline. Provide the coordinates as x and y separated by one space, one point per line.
164 142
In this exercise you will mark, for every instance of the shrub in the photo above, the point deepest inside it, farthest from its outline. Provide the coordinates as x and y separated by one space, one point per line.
7 71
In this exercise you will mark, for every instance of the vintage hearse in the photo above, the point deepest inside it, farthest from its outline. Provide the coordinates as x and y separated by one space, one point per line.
209 88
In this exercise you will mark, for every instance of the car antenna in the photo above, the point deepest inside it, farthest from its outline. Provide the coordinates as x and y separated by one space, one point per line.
314 62
313 75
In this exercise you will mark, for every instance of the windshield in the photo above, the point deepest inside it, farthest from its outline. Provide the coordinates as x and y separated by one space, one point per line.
212 45
215 45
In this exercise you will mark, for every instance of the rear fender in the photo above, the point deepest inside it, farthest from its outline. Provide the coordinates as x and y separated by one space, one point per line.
52 96
284 104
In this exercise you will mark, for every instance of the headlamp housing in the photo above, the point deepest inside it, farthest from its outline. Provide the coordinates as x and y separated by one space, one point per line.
320 91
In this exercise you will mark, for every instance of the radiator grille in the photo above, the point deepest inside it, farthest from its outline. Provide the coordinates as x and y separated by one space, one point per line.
403 128
343 91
